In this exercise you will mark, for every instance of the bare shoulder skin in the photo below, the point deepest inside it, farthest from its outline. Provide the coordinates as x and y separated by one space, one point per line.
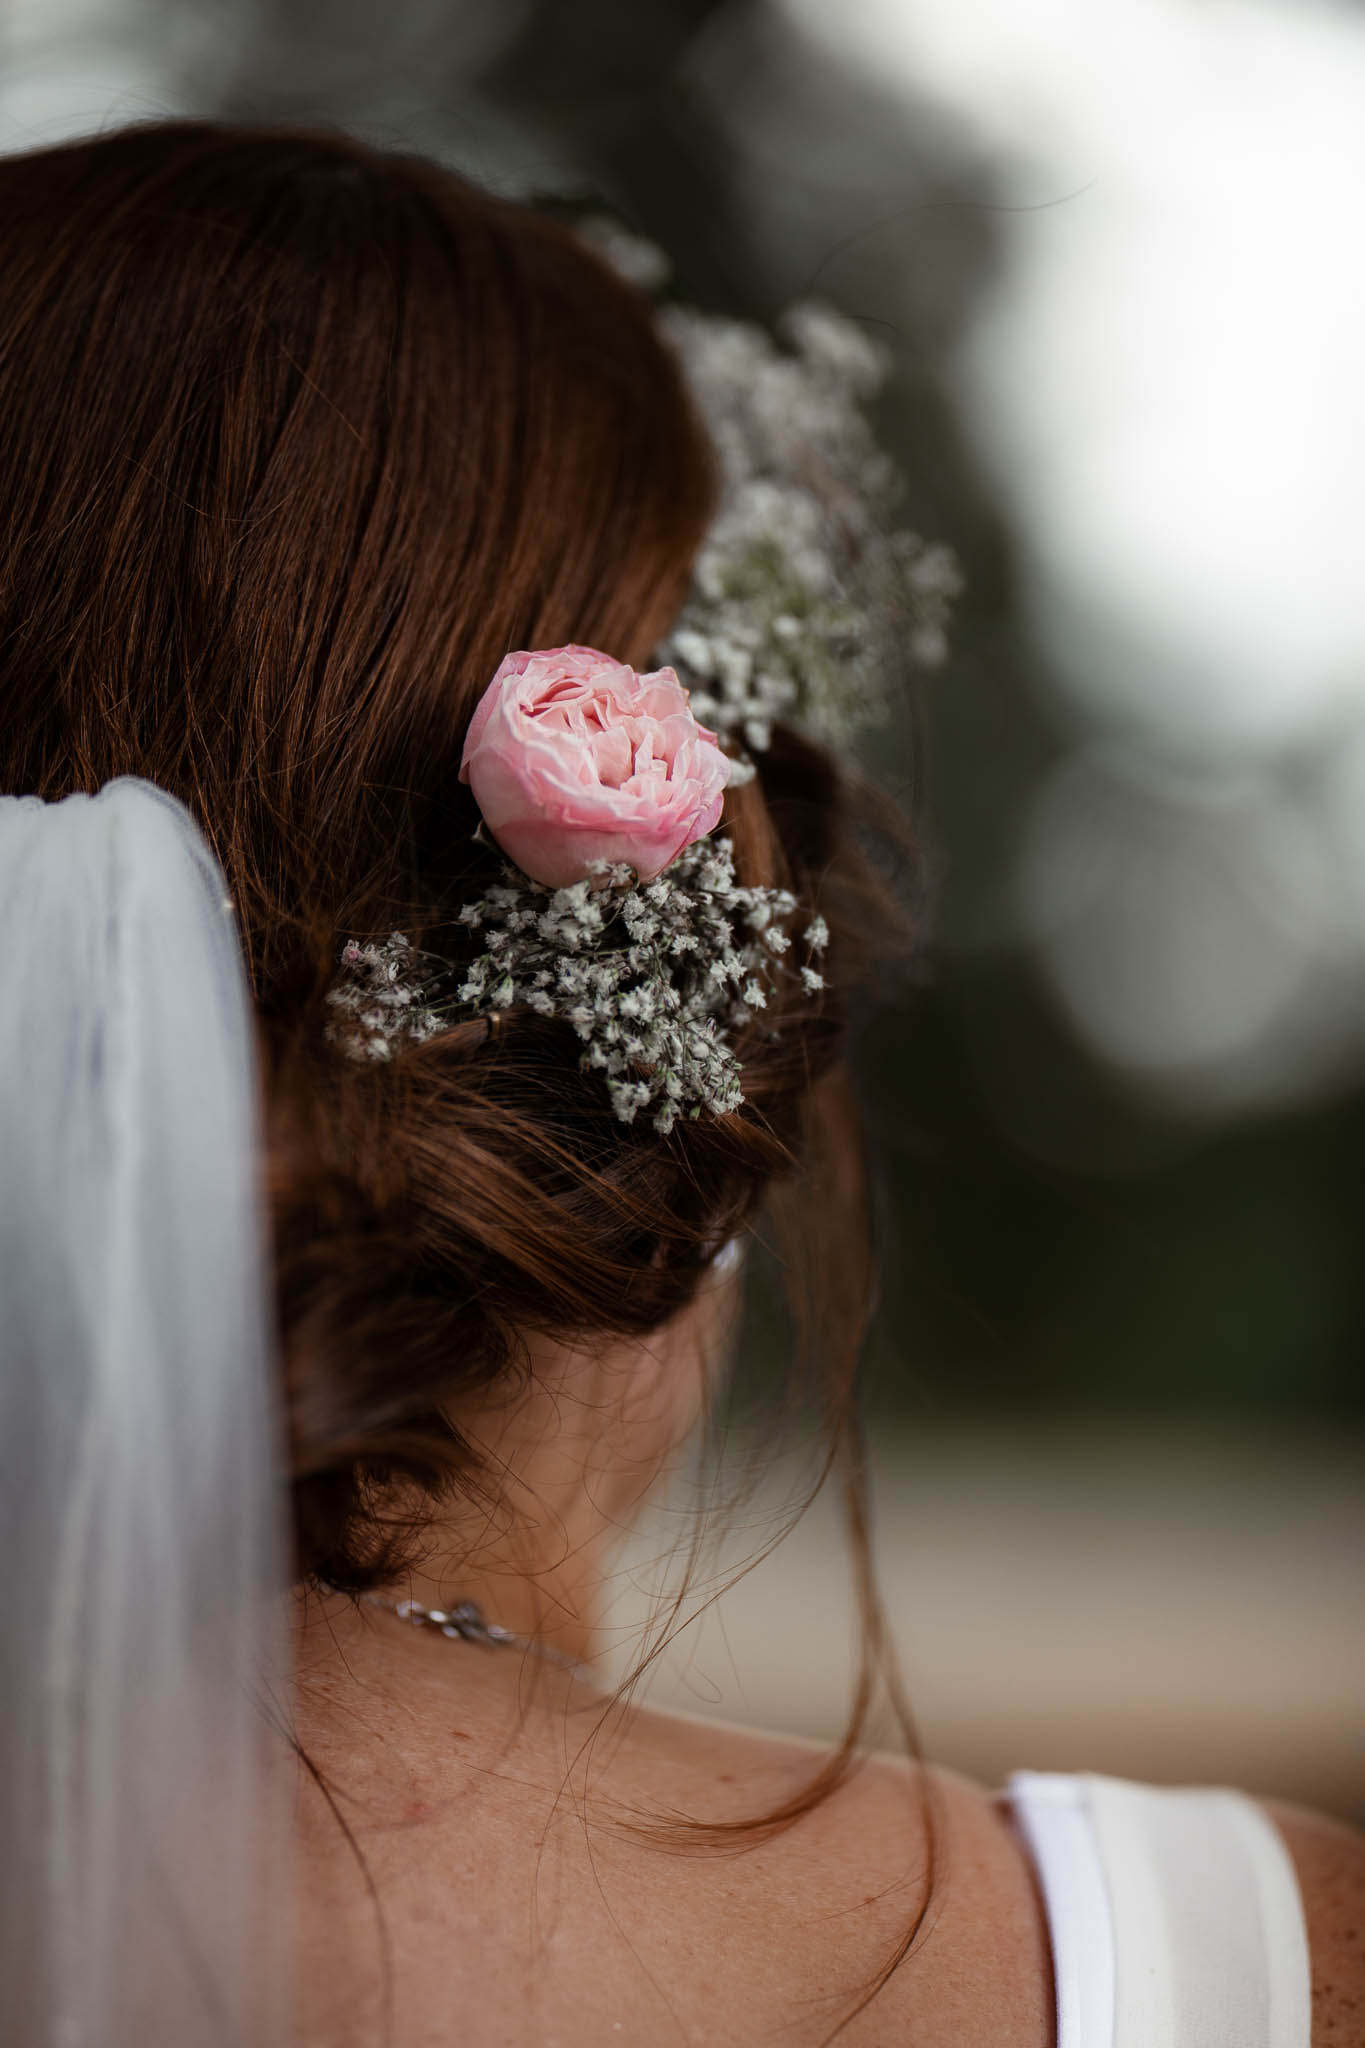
1329 1857
539 1885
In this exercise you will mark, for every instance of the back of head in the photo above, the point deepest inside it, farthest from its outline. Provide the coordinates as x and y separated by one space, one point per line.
298 439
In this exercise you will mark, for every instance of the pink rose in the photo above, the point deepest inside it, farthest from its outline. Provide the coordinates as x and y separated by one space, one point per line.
573 757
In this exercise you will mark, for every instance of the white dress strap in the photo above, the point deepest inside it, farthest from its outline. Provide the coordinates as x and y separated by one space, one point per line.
1054 1820
1174 1916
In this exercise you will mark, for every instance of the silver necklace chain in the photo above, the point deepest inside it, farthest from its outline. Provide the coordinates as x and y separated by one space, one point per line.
465 1622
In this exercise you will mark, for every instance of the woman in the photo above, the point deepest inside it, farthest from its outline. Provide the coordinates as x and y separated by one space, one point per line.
301 446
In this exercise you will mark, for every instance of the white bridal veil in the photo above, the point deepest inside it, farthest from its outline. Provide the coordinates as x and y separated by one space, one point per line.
141 1816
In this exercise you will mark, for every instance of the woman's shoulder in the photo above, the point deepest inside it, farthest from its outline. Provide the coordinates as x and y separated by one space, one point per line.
1329 1861
905 1878
550 1855
947 1851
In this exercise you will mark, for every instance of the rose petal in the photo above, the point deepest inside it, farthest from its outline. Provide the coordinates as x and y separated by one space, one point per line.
573 757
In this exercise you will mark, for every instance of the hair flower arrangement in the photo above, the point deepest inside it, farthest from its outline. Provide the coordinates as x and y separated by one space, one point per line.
811 601
617 912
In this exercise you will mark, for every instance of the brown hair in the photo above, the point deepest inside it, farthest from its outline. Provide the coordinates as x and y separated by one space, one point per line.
297 440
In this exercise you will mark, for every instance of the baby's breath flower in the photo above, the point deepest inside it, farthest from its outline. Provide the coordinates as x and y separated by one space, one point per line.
651 979
807 601
378 997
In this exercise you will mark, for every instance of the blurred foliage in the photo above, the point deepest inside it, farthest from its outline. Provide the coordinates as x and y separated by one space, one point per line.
1165 1271
1056 1242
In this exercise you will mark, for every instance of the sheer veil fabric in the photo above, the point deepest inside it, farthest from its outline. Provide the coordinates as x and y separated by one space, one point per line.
144 1877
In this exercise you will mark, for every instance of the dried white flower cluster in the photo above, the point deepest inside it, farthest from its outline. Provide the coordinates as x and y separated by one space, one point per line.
385 996
806 599
650 975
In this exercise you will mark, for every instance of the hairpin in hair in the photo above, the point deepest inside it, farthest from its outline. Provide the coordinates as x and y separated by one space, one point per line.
617 912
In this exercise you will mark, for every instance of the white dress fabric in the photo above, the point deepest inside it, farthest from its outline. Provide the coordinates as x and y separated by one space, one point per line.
1174 1916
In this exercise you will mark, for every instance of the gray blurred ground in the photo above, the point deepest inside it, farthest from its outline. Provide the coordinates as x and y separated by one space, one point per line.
1151 1604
